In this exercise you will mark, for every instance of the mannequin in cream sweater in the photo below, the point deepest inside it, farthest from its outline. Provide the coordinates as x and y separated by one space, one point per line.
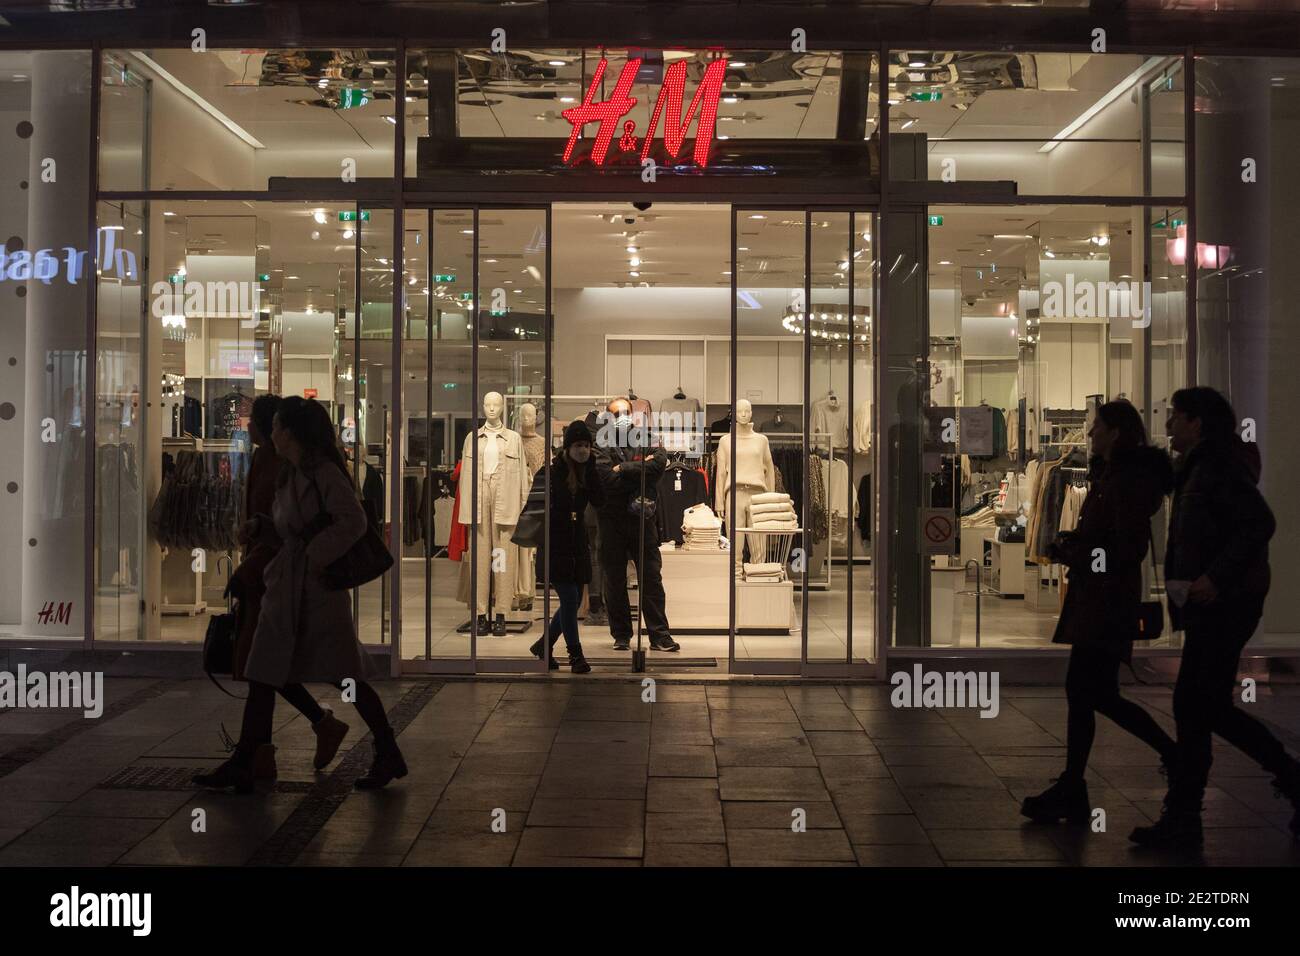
753 474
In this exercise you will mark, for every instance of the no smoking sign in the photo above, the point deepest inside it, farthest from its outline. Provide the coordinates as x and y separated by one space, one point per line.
939 530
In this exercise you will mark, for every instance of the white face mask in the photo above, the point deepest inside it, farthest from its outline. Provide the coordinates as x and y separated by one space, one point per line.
580 455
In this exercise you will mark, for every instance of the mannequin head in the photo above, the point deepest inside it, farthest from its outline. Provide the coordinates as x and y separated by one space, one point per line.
744 412
528 419
493 406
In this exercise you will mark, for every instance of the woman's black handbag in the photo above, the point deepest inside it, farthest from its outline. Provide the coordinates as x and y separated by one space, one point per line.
367 559
530 529
219 647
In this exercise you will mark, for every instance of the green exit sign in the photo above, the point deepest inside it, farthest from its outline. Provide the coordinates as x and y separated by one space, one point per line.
500 312
925 96
467 296
351 216
350 98
445 277
448 385
936 220
263 277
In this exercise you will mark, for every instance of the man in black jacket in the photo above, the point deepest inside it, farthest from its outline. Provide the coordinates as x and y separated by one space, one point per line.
1217 576
623 459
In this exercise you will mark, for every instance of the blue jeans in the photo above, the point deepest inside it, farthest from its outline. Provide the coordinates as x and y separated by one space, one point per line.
566 618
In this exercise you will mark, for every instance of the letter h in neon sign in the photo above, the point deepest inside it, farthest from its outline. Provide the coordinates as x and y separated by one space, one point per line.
671 94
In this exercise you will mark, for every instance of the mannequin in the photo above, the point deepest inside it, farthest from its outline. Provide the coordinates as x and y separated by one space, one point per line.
534 457
502 491
754 474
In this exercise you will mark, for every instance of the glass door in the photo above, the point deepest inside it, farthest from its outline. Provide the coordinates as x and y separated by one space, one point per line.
475 430
794 468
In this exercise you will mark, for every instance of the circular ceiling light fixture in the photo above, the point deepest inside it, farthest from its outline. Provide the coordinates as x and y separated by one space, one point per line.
830 322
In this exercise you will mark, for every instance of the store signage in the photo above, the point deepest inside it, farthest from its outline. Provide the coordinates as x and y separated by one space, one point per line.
939 526
935 220
43 265
240 369
609 113
350 98
350 215
309 393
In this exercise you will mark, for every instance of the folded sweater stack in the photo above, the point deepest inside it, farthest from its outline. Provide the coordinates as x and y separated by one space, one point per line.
772 511
700 529
766 572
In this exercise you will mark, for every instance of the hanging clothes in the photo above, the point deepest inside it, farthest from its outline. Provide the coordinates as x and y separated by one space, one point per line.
458 537
680 487
831 417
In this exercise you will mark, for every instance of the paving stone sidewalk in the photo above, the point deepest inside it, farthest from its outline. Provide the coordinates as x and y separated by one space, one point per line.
583 772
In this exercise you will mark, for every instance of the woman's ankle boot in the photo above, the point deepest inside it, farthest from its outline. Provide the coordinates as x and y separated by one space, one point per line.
236 772
388 764
577 662
1066 799
537 651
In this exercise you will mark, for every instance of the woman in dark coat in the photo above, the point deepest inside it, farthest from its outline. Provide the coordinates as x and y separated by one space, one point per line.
574 484
305 631
1099 620
260 544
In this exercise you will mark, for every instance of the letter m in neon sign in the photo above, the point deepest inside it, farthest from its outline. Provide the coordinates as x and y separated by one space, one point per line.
703 110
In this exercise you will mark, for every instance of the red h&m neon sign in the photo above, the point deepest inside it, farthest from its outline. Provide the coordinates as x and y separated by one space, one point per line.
671 94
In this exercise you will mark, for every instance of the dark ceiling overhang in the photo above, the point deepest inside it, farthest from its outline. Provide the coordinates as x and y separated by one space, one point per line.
761 24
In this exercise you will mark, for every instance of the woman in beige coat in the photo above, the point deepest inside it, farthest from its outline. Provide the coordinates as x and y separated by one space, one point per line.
305 631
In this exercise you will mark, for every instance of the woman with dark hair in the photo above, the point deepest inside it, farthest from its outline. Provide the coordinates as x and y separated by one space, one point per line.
305 631
1099 620
260 543
574 485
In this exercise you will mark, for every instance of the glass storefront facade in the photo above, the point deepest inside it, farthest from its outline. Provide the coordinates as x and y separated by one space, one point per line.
903 332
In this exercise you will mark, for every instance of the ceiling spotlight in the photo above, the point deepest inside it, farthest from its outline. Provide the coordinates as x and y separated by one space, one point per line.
635 275
348 233
391 119
633 249
315 233
634 262
319 216
738 64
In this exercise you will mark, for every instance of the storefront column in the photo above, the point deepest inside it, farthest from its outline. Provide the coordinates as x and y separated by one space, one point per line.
903 375
53 531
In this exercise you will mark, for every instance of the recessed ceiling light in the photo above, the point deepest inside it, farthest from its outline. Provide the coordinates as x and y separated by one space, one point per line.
731 99
319 216
169 213
757 216
467 232
391 119
555 62
635 275
634 262
291 277
945 262
568 99
738 63
348 233
633 249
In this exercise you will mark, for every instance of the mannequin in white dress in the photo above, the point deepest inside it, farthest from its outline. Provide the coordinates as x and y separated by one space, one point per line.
753 473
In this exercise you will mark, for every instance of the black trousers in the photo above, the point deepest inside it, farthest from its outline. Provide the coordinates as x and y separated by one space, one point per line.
620 542
1092 687
1204 699
259 710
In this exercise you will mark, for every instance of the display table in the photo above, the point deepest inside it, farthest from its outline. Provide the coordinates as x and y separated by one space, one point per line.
1007 568
696 586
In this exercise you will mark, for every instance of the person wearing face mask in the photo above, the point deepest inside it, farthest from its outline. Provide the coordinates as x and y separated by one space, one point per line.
627 522
574 483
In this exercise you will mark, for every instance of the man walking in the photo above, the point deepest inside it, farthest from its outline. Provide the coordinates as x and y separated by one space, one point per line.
623 459
1217 576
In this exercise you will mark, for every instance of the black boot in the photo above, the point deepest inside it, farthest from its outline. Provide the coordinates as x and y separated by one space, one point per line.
1066 799
1179 828
388 764
577 663
1287 783
499 628
236 772
537 651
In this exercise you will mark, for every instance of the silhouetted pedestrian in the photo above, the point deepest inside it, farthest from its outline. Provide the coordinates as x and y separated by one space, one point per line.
1099 620
305 631
1217 576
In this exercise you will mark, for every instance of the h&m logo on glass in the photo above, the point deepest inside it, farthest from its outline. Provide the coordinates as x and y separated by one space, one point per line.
609 113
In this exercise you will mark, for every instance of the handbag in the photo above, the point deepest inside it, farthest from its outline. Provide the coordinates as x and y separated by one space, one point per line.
1151 614
530 529
367 559
219 647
